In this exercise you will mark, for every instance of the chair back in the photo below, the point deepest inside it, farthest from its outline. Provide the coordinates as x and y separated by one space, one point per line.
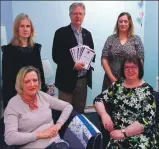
2 132
56 114
157 106
82 134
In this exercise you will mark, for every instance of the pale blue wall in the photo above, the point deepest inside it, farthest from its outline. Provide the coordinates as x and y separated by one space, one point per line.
151 42
7 17
100 19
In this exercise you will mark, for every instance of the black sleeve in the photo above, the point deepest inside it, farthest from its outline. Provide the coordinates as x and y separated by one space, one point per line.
92 46
8 73
7 62
55 47
60 51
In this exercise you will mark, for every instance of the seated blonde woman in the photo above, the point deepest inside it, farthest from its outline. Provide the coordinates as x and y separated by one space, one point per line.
132 122
28 115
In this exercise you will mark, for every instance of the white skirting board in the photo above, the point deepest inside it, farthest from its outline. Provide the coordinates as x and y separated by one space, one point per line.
89 109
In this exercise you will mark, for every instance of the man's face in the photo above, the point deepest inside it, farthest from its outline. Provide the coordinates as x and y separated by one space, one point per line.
77 16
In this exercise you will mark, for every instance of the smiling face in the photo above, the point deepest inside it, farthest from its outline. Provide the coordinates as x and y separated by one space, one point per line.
123 24
30 84
131 71
77 15
24 29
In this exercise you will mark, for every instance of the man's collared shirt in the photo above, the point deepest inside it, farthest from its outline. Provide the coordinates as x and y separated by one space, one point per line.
78 35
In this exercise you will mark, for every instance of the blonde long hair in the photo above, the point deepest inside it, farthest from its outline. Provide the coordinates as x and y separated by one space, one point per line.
16 39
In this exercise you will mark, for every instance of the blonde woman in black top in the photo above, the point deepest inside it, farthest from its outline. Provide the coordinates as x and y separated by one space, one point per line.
20 52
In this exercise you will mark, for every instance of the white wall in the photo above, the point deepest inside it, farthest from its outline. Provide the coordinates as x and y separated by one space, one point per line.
100 19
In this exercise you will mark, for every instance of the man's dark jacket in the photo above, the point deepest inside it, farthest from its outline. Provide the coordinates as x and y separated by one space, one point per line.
66 75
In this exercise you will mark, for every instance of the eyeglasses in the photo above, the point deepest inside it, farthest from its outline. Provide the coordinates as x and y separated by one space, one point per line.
130 67
77 13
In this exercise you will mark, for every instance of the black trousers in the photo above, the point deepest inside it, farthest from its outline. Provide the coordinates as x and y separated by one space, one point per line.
60 145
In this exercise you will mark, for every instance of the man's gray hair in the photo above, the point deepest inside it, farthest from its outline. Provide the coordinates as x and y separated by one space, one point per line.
75 5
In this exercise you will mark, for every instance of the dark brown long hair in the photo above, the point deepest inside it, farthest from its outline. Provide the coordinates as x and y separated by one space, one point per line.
131 25
135 60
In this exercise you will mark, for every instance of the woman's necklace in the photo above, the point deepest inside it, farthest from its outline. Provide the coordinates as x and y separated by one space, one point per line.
32 103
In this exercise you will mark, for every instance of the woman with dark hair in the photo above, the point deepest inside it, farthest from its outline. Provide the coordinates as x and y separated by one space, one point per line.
21 51
131 124
118 46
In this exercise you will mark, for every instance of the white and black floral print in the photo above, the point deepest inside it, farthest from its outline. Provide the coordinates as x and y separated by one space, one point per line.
129 105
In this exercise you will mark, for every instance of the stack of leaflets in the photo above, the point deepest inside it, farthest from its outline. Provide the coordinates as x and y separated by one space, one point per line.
83 54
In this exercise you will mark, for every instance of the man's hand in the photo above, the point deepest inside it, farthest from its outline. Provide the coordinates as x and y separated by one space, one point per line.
79 66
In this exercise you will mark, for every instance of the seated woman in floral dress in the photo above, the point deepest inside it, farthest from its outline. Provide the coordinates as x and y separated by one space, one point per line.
131 124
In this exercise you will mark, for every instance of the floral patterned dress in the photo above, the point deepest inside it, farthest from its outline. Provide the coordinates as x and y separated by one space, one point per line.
129 105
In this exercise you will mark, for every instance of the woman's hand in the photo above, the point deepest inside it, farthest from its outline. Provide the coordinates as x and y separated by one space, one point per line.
50 132
134 129
55 128
113 79
47 133
107 122
117 134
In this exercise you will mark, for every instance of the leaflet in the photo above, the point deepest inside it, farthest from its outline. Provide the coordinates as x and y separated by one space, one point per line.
84 54
87 57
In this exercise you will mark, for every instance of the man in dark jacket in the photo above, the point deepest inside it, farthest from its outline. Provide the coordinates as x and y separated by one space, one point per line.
71 78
